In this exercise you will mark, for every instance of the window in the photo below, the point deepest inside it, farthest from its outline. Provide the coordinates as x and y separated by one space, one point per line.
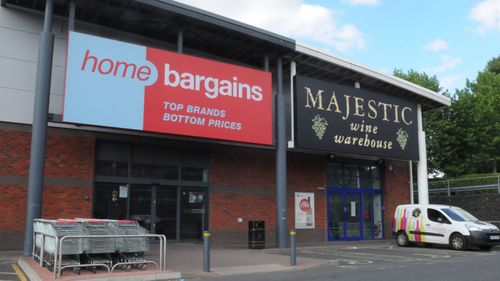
436 216
353 176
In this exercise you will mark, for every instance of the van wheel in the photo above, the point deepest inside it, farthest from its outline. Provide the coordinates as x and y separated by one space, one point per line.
457 242
402 239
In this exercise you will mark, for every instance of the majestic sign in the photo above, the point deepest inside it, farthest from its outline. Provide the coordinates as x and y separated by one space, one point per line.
304 210
337 118
116 84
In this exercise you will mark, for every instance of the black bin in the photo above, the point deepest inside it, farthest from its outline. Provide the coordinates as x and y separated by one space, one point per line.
256 234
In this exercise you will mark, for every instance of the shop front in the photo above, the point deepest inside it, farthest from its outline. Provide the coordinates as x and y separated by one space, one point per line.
354 199
165 189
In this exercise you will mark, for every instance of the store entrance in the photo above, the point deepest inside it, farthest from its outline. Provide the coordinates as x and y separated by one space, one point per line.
161 209
154 207
354 214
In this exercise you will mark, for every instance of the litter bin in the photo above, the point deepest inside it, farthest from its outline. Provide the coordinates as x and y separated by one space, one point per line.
256 234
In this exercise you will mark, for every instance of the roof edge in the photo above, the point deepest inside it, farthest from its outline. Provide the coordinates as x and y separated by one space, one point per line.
221 21
396 81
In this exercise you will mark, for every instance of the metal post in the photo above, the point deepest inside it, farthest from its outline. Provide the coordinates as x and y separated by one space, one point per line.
71 16
180 41
498 184
293 248
281 184
293 72
448 188
206 251
39 128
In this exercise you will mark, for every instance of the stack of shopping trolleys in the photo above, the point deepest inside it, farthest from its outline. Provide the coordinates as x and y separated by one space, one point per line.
92 248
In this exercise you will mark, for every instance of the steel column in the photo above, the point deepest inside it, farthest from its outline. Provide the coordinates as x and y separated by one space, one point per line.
180 41
39 128
71 16
281 181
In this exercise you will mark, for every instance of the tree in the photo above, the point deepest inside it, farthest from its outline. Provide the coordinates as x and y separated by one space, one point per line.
486 116
465 137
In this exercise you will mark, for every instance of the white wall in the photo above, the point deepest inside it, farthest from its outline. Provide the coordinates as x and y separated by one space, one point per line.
19 39
19 36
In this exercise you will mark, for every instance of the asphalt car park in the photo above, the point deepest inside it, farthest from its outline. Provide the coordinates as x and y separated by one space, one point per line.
390 256
8 271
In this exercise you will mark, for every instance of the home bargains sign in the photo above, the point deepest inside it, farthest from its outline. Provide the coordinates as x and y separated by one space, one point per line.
116 84
337 118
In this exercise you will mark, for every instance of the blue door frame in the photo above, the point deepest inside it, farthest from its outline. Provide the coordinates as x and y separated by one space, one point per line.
343 227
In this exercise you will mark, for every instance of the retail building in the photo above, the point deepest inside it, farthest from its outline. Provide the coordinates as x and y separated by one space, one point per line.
193 121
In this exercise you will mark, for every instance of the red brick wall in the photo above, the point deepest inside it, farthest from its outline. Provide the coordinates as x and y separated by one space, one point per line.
396 190
243 185
68 175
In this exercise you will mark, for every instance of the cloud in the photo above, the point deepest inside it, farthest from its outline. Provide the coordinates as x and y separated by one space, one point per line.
436 45
487 16
362 2
291 18
451 82
448 63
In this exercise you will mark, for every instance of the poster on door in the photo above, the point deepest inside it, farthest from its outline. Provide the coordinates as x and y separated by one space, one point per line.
304 210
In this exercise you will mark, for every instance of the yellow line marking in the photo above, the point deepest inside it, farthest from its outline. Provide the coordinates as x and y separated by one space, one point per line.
19 272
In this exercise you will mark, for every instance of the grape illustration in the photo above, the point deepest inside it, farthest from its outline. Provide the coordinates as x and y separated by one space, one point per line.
319 126
402 138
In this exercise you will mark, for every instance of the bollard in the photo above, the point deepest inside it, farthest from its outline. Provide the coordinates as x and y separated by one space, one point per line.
293 248
206 251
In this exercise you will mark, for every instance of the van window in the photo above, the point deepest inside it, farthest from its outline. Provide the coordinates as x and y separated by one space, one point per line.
458 214
436 216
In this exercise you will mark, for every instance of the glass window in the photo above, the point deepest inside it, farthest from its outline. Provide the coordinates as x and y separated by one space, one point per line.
194 174
377 216
353 176
111 168
436 216
155 172
107 202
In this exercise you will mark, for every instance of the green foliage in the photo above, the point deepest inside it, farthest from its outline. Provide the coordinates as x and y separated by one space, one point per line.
465 137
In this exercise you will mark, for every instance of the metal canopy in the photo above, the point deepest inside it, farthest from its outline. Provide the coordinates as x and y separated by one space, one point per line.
207 32
161 20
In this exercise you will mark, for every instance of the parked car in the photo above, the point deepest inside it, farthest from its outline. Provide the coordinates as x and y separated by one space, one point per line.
441 224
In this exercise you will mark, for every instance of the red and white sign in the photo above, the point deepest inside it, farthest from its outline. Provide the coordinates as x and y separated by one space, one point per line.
116 84
304 210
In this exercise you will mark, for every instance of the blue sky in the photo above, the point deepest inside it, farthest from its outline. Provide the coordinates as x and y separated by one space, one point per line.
447 38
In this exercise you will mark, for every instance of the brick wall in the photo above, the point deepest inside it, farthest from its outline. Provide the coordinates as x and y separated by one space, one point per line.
396 191
243 185
68 178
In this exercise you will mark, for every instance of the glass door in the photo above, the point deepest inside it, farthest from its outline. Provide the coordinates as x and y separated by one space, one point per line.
193 215
155 208
352 206
140 205
166 211
336 216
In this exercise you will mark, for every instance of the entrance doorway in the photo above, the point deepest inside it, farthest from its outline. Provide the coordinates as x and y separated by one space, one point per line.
354 202
165 189
159 208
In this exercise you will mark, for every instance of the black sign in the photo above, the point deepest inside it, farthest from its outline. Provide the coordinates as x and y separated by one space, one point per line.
337 118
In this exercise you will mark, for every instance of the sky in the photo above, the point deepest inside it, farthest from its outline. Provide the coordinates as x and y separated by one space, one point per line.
452 39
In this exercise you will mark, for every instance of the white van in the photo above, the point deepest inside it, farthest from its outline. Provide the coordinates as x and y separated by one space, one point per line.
441 224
